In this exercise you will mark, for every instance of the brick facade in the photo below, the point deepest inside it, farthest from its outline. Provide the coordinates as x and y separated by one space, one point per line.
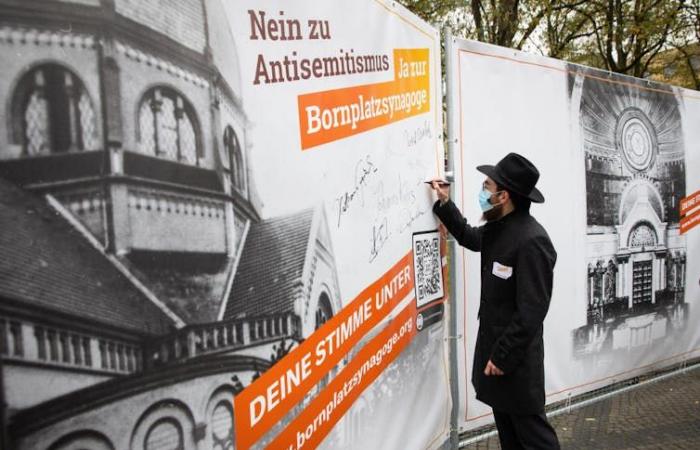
181 20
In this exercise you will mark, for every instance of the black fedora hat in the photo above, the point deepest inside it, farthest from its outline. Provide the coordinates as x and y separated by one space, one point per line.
517 175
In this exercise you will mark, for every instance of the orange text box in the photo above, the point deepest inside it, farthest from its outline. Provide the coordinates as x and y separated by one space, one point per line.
314 423
690 221
336 114
690 202
265 401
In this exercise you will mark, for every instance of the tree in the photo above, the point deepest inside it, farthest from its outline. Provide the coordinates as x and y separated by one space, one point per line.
565 27
624 36
509 23
687 41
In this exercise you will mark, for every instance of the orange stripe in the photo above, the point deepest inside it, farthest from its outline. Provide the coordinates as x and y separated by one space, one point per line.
264 402
339 113
438 166
690 221
313 424
471 419
401 17
684 92
690 202
603 379
464 251
623 373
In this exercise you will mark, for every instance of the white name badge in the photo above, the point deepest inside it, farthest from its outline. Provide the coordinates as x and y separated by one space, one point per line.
501 271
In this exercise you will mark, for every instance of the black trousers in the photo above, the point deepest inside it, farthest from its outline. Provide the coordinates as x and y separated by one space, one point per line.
525 432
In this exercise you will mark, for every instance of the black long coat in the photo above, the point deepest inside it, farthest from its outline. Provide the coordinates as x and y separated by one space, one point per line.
517 262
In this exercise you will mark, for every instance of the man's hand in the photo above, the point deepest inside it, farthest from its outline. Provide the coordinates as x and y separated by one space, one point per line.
442 190
491 369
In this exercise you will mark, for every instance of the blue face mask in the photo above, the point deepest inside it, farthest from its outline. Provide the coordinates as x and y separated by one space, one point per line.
484 197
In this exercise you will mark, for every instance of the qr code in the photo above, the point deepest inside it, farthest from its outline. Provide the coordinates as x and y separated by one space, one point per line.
428 267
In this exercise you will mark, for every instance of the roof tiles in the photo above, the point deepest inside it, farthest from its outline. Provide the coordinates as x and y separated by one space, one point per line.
47 264
269 273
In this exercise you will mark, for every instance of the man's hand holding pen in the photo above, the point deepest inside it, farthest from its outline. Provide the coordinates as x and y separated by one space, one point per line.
442 189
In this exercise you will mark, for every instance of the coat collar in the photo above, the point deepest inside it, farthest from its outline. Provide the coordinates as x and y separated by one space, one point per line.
506 220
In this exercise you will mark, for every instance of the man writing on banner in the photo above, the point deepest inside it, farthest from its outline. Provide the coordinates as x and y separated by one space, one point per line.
517 262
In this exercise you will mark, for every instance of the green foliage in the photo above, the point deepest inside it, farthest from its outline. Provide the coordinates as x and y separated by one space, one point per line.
624 36
509 23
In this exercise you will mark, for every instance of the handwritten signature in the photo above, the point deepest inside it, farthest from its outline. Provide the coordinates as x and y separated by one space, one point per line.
404 196
417 135
364 169
407 217
400 201
380 235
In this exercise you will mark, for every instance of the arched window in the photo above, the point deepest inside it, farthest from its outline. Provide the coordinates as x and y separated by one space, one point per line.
166 434
83 439
324 311
222 427
167 424
168 126
233 149
52 112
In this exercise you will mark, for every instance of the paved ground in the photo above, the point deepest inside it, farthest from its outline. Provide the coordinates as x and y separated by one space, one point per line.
662 415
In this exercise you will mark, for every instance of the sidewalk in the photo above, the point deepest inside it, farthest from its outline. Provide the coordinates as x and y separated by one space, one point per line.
661 415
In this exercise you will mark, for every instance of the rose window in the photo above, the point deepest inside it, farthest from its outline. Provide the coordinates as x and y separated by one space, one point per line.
636 139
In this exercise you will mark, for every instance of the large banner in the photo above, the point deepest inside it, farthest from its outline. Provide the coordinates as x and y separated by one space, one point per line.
348 120
619 160
215 228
